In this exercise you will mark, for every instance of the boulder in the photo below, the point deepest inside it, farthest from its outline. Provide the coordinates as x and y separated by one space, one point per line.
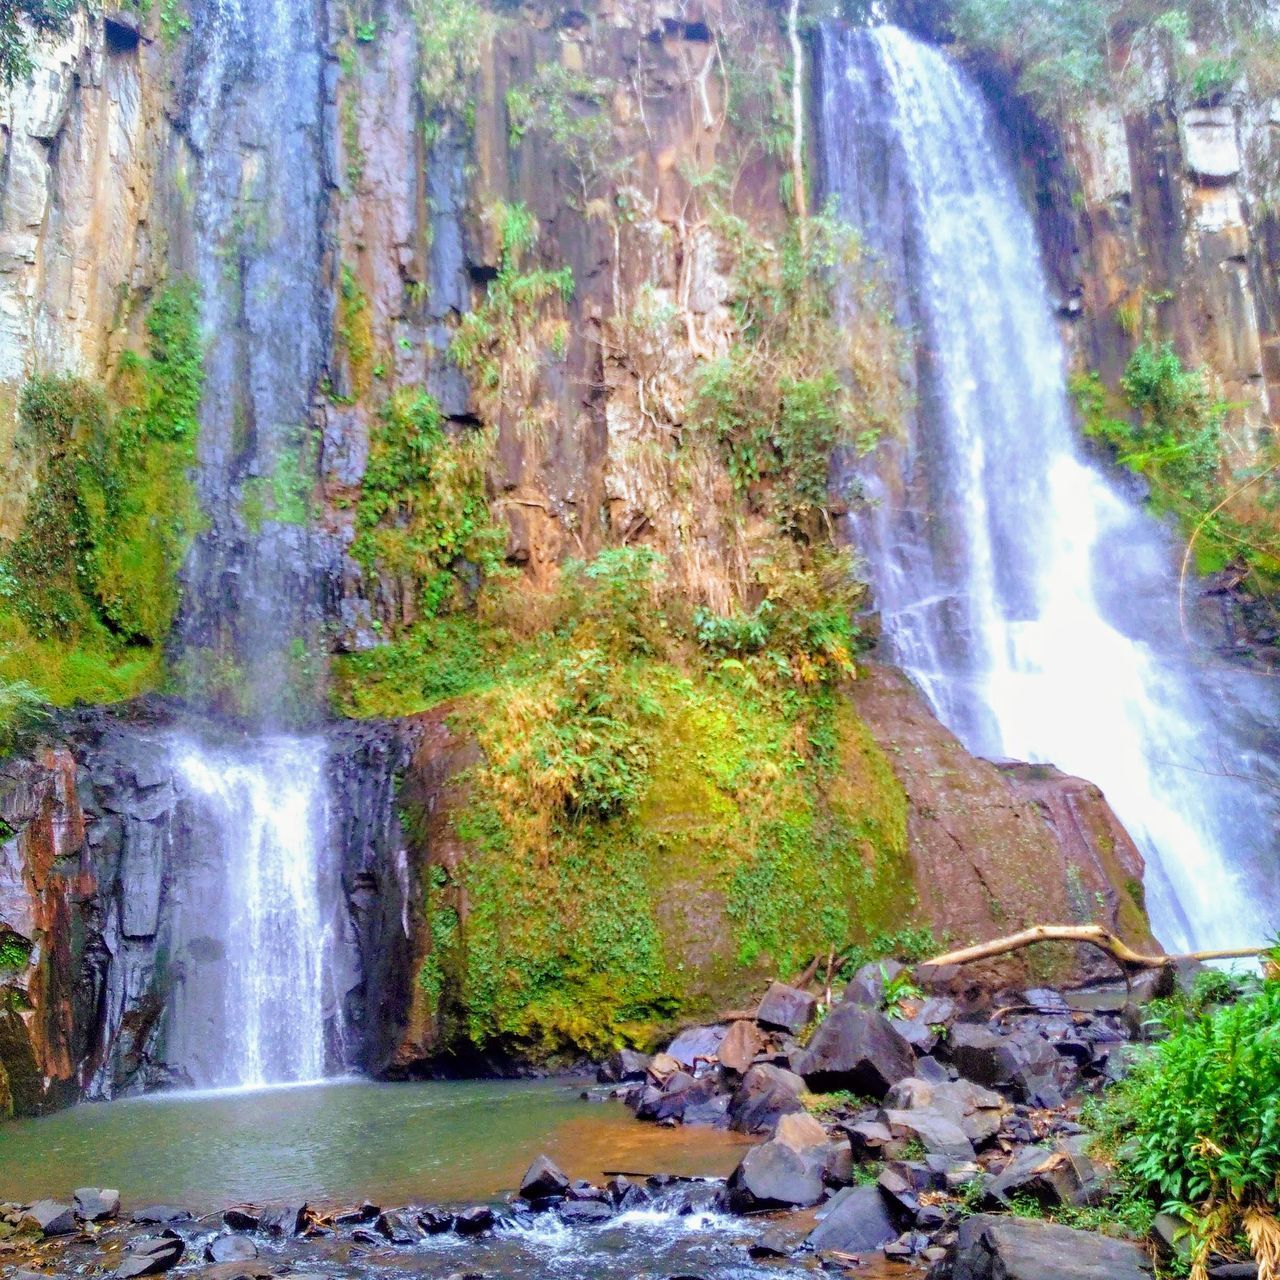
1039 1173
150 1257
435 1222
867 986
232 1248
50 1217
938 1133
367 1212
624 1066
856 1221
856 1049
695 1045
766 1094
775 1176
159 1215
241 1220
739 1047
786 1009
585 1213
284 1220
474 1221
801 1132
1005 1248
94 1205
397 1227
977 1111
543 1179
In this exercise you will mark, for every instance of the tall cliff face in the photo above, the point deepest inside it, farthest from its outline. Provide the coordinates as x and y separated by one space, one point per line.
591 208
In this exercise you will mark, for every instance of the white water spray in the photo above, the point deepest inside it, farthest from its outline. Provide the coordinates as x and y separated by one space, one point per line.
266 805
1033 602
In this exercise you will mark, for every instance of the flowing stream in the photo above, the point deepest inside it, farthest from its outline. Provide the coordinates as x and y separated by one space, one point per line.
1033 601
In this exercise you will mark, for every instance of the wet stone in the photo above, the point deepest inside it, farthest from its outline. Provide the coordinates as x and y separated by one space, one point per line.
93 1205
151 1257
232 1248
160 1215
474 1221
240 1220
50 1217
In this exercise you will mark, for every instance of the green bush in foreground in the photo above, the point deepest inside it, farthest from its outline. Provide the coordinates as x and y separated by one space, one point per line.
1198 1123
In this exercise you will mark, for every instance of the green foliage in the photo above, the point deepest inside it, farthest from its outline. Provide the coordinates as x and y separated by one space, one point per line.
450 37
88 588
773 405
1059 46
1169 428
1196 1126
423 513
284 495
22 712
909 945
1211 78
504 344
47 19
355 331
571 109
621 765
15 951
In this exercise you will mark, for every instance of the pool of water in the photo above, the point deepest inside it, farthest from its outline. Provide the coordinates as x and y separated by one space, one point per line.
343 1141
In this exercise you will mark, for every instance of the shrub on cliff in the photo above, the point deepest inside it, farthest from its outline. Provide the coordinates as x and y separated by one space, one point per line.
1198 1123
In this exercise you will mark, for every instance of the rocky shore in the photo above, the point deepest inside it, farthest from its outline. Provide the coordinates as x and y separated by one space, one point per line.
922 1122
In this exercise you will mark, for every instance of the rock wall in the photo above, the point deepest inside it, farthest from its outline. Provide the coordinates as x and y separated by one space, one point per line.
80 241
109 882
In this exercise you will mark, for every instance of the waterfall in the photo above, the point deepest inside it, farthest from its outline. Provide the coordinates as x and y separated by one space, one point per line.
265 805
256 582
1032 600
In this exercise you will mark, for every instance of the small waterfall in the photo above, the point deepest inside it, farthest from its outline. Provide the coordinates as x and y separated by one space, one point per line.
1030 598
265 806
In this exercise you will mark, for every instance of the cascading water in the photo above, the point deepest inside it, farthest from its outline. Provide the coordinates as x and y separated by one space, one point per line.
268 805
255 583
1034 603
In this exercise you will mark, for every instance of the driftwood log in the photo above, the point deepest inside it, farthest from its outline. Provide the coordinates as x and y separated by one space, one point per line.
1130 961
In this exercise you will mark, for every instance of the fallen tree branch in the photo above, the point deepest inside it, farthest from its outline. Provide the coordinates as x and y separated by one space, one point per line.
1091 935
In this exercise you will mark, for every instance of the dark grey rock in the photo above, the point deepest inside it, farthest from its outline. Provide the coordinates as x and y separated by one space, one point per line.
243 1220
150 1257
232 1248
1036 1173
584 1213
786 1009
766 1094
867 986
857 1221
355 1217
94 1205
696 1045
543 1178
1007 1248
856 1049
51 1217
623 1066
435 1222
474 1221
286 1220
159 1215
398 1227
775 1176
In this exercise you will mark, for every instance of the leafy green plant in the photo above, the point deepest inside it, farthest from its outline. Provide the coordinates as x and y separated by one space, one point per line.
423 513
46 19
505 342
571 109
1196 1125
15 951
450 37
22 712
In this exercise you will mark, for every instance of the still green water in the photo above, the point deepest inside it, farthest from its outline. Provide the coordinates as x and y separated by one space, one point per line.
340 1142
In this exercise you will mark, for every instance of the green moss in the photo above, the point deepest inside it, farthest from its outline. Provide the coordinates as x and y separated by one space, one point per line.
15 951
651 832
88 588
